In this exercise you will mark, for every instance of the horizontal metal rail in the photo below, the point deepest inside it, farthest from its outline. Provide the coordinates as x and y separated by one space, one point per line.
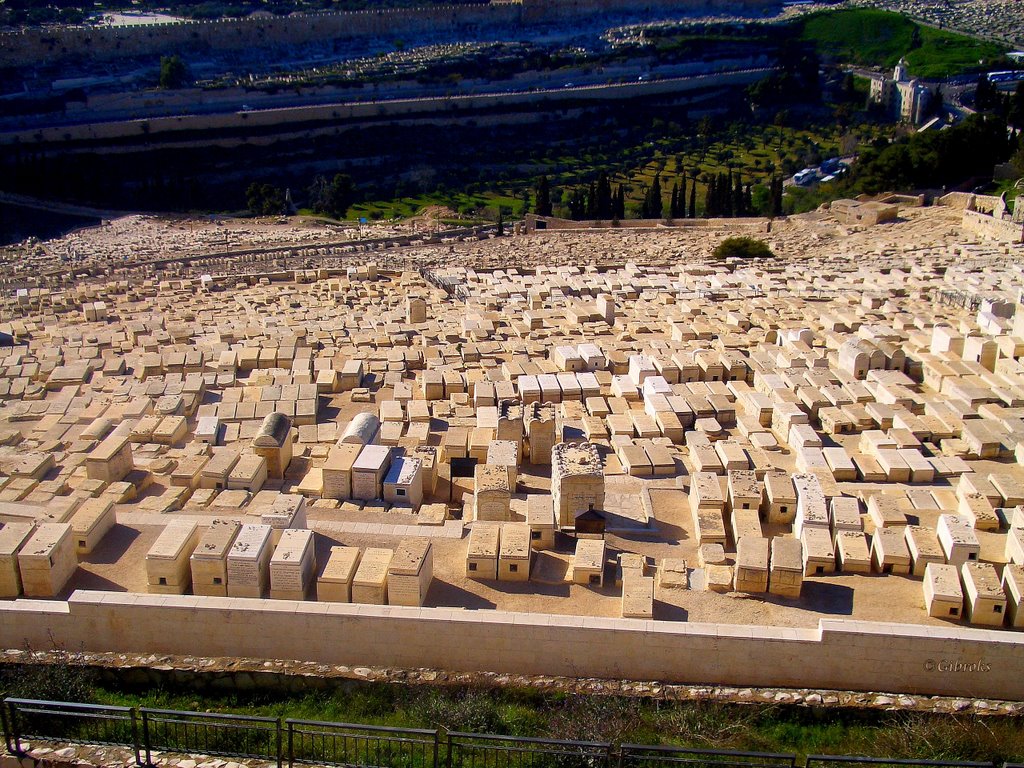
633 755
831 761
320 743
210 733
474 750
69 722
313 742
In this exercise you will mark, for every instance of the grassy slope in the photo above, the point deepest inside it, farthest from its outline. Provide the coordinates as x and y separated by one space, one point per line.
751 150
878 38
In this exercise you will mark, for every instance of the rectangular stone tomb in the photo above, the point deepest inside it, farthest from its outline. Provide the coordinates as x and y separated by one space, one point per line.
411 572
482 553
249 561
370 583
335 583
943 595
293 565
168 569
13 537
209 561
91 522
514 552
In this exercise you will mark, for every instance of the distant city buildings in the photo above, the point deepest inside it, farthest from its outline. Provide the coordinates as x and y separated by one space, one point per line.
905 98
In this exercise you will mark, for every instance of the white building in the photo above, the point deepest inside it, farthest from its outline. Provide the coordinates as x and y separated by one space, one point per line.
903 97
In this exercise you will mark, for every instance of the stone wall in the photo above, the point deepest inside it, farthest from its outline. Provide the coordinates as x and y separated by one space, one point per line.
839 654
336 115
986 226
552 223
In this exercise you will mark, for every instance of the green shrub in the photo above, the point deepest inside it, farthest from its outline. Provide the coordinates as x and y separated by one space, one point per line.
742 248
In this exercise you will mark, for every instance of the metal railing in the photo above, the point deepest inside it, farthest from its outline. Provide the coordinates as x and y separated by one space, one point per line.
309 742
208 733
69 723
476 750
644 755
318 743
834 761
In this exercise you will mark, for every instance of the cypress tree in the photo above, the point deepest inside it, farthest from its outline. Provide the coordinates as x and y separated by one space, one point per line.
604 197
711 199
543 206
775 196
656 205
693 198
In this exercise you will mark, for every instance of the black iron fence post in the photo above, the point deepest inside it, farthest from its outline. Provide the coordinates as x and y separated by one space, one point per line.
6 727
15 745
146 739
280 753
136 746
291 744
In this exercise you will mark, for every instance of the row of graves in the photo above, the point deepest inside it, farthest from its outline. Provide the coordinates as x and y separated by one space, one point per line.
877 432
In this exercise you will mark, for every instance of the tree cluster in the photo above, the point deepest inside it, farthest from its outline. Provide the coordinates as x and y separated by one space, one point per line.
265 199
933 160
653 204
333 197
598 201
1010 107
795 82
727 196
173 72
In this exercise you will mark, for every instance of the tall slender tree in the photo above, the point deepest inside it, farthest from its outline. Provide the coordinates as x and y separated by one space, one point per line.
543 206
619 209
604 197
655 203
737 197
711 198
775 196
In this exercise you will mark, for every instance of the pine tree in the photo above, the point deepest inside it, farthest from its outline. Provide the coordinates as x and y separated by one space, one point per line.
693 198
673 206
682 200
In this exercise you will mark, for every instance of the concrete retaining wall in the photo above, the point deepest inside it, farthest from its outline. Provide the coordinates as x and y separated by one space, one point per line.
332 114
554 224
838 654
983 225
